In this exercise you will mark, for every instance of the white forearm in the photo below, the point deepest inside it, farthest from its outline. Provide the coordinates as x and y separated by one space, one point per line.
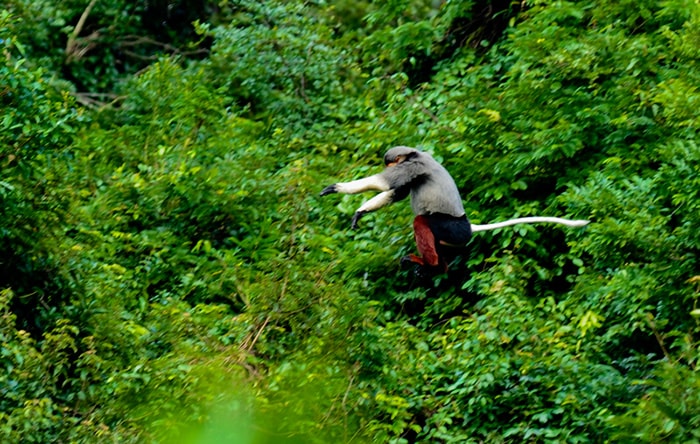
376 182
378 201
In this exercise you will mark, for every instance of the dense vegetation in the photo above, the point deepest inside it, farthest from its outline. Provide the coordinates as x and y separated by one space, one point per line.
168 272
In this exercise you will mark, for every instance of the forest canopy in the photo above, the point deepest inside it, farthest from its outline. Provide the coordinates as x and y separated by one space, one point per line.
169 273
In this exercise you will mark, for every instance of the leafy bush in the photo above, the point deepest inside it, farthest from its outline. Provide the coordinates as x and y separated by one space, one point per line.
170 273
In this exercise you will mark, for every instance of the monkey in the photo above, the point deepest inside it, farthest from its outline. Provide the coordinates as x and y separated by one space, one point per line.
440 225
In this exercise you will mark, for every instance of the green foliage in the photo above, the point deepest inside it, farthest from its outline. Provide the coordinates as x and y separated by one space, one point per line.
169 273
38 124
668 413
280 64
95 44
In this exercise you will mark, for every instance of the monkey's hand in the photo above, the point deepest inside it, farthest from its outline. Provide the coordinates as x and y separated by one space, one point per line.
330 189
355 218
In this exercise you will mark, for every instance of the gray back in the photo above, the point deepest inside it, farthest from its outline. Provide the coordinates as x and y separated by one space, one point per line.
432 189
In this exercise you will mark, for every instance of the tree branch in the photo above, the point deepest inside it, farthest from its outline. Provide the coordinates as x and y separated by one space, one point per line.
71 53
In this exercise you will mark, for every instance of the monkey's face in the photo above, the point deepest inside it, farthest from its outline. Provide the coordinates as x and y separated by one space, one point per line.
397 160
398 155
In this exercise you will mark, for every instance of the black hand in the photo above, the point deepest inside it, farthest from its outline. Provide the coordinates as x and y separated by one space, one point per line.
330 189
355 218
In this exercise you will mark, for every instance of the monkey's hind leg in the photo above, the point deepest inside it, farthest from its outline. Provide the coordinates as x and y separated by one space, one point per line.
425 241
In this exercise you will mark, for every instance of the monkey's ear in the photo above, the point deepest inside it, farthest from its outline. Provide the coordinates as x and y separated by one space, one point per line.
330 189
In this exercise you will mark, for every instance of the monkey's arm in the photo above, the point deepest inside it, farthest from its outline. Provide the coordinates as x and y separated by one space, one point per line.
376 182
380 200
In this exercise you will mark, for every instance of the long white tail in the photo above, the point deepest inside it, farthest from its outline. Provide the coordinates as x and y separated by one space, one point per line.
530 220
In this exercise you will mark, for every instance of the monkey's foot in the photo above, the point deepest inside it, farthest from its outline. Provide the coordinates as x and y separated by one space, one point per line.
411 259
422 270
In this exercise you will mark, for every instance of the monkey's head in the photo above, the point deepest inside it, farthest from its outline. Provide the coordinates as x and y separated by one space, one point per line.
399 154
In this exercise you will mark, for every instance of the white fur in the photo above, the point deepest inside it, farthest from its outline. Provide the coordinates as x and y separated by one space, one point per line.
375 182
530 220
380 200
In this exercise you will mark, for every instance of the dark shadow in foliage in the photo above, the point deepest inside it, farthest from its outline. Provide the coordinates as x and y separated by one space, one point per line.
477 28
172 21
425 299
36 282
126 38
558 283
482 27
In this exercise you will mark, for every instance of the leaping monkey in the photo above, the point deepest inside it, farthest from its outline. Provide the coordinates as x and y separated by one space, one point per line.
440 223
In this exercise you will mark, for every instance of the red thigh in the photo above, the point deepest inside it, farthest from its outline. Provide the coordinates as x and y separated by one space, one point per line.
425 240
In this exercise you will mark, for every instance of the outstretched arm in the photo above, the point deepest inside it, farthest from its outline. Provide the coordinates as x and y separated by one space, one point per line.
404 168
376 182
375 203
